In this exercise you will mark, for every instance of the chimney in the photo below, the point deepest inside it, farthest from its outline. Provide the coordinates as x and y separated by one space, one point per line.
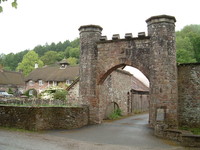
36 65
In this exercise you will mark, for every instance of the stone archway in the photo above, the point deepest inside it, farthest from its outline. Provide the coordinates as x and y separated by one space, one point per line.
154 55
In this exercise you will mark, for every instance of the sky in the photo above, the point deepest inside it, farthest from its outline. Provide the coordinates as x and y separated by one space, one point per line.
37 22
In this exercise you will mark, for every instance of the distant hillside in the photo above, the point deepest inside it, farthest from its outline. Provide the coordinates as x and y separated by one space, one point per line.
48 53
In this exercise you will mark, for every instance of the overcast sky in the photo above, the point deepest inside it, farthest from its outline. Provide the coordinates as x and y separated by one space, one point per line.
36 22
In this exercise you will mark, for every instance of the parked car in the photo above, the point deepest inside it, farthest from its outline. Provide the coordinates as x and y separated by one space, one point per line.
5 94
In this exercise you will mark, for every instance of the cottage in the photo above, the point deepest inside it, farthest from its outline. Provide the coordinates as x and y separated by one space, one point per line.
12 80
58 74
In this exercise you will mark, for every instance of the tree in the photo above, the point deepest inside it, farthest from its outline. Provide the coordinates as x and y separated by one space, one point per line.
41 50
72 52
188 44
8 62
75 43
72 61
14 4
50 57
185 53
28 62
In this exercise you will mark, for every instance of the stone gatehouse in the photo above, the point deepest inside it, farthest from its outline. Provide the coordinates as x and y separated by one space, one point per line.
153 54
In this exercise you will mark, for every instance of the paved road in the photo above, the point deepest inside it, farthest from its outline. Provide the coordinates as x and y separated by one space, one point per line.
128 134
132 131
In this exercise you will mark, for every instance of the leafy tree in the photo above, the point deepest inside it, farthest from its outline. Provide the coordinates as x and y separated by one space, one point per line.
185 51
75 43
64 50
195 40
72 52
184 56
14 4
60 56
50 57
1 59
28 63
41 50
188 44
72 61
8 61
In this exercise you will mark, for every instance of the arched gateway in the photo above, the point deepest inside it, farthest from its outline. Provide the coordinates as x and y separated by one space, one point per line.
154 55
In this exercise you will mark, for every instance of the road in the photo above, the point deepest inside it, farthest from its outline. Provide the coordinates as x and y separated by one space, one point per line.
130 133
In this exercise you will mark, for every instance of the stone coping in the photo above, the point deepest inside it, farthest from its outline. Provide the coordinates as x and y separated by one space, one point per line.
186 138
161 17
188 64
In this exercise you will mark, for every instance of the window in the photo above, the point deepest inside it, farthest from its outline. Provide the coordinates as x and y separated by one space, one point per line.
68 82
55 83
31 83
40 82
63 66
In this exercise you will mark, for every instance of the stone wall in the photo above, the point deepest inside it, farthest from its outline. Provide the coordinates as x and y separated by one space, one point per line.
163 70
43 118
189 95
73 95
115 89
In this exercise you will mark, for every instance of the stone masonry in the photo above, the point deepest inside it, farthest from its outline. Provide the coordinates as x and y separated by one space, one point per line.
189 95
114 89
163 70
43 118
154 55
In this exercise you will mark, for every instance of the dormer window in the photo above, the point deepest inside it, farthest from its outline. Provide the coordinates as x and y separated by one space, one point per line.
63 66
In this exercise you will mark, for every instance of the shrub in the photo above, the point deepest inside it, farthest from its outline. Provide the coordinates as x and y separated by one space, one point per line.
60 95
115 114
31 92
10 91
193 130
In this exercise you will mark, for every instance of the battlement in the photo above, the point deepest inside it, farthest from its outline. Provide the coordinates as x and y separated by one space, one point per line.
128 36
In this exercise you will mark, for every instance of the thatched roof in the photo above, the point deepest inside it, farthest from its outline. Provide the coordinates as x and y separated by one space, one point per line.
11 78
64 61
54 73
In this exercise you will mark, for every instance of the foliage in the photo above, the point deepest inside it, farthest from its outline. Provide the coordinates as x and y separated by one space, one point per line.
28 63
13 4
52 91
188 44
50 57
10 91
49 53
72 61
195 131
117 113
34 93
60 94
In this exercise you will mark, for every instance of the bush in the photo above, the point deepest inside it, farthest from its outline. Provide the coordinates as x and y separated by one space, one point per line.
115 114
60 95
10 91
31 93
